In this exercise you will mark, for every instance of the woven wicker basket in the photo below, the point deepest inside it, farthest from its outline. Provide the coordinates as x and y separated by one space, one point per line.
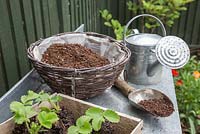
80 83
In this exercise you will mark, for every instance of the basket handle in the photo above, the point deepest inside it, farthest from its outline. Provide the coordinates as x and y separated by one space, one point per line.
144 15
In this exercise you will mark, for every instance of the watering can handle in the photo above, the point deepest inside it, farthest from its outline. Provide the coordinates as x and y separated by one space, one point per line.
144 15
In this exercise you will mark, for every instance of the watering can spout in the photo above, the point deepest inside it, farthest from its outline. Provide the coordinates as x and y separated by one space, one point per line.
153 68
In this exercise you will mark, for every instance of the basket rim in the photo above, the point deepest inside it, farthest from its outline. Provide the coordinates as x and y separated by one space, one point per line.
111 65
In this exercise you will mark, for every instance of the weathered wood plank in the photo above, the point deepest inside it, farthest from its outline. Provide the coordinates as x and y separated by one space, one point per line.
182 24
3 82
53 16
87 15
92 14
174 28
98 18
109 30
38 19
19 33
196 26
7 45
103 5
72 14
45 18
76 10
29 21
189 23
81 11
66 15
127 13
121 12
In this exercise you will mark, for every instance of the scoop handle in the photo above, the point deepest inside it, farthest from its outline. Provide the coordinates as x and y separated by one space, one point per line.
123 86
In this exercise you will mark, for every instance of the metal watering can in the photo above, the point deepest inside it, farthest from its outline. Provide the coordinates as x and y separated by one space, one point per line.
150 52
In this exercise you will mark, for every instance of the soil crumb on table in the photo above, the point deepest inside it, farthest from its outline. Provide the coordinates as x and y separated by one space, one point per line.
73 56
160 107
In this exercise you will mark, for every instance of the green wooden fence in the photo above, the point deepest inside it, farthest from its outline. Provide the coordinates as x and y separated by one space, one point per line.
25 21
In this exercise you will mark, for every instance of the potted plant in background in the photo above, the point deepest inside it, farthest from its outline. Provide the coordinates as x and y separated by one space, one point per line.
166 11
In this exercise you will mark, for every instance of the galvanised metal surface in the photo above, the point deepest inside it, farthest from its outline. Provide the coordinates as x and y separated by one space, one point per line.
143 67
111 98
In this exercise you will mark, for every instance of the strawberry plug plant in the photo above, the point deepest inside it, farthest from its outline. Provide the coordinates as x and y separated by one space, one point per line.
46 117
92 120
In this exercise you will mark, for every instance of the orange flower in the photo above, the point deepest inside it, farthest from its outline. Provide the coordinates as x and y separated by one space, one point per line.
179 83
196 74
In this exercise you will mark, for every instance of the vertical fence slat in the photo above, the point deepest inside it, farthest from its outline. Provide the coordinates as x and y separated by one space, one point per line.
46 23
87 15
84 13
8 48
121 12
102 4
90 14
97 19
189 23
182 24
20 38
174 28
66 15
196 26
38 19
81 11
76 13
72 14
29 22
53 16
3 83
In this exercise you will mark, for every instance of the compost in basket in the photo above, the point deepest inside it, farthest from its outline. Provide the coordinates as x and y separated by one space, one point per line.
73 56
81 65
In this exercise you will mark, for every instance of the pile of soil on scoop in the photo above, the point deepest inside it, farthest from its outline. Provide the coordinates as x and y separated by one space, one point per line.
73 56
160 107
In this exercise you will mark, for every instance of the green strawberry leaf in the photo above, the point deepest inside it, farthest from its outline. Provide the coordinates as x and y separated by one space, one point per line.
56 98
29 111
73 130
19 119
46 119
45 109
86 128
111 116
94 112
30 97
34 128
96 123
82 120
16 106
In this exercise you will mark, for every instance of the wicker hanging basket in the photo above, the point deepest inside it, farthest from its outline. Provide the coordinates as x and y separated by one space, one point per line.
86 82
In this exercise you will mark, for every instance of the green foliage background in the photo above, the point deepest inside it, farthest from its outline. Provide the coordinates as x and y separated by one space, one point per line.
188 96
166 10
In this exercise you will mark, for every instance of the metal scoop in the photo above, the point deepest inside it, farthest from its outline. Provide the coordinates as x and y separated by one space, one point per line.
135 96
